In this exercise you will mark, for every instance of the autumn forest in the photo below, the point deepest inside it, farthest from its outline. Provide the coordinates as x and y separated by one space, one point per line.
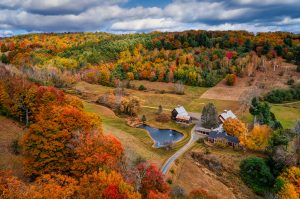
50 81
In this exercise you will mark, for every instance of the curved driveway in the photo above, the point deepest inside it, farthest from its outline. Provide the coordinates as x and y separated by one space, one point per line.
194 137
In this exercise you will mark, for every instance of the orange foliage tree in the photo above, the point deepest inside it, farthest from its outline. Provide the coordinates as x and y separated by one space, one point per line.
50 143
235 127
105 185
96 151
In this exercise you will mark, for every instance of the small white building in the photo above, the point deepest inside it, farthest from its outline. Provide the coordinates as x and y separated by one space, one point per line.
226 115
181 115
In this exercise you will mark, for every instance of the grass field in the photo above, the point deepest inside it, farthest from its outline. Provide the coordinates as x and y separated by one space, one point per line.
151 99
190 100
10 131
136 142
287 114
191 175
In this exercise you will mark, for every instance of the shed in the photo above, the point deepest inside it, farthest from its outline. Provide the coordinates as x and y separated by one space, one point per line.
181 115
226 115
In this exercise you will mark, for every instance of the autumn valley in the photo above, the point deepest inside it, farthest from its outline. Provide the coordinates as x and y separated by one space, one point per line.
191 114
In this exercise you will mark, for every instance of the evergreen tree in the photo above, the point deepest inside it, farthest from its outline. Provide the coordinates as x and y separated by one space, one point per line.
144 119
256 174
160 109
209 117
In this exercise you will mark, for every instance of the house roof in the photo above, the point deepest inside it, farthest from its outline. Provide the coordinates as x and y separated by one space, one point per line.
223 134
183 117
228 114
181 111
199 128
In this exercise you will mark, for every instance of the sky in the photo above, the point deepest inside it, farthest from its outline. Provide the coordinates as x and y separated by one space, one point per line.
124 16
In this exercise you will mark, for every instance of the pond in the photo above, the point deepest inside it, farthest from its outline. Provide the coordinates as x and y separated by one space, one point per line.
162 137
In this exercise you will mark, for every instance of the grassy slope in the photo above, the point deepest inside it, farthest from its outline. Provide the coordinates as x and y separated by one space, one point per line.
287 114
225 185
9 131
136 141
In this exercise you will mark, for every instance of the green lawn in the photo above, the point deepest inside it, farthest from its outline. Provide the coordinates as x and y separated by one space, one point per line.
287 114
136 140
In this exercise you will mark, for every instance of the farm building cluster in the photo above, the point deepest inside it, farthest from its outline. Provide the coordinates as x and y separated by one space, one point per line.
180 115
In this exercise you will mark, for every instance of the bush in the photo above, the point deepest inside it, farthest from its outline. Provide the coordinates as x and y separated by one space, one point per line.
163 117
15 147
256 174
298 68
178 191
142 87
230 79
284 95
169 181
290 82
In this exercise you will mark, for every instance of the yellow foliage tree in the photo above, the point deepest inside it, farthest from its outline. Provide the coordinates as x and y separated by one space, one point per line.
291 187
258 138
288 192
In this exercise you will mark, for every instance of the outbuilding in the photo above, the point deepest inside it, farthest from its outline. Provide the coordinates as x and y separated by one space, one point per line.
226 115
179 114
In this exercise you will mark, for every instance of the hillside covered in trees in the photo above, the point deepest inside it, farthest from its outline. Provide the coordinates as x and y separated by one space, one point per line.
65 150
198 58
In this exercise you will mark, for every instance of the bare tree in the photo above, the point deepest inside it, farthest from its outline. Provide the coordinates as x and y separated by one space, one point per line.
179 88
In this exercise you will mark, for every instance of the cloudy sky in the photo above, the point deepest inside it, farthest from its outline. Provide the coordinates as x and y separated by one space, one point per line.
23 16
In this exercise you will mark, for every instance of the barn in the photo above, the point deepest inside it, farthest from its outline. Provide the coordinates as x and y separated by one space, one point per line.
179 114
227 114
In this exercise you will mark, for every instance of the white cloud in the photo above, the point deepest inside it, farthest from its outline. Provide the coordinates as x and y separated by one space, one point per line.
193 11
109 15
57 6
289 20
266 2
146 24
6 33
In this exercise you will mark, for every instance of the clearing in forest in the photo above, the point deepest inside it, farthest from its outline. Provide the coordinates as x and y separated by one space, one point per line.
10 131
248 87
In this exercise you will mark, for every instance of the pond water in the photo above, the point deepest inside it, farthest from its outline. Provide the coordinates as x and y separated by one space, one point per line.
162 137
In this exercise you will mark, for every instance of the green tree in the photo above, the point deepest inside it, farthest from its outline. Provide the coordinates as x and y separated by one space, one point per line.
160 109
278 138
144 119
256 174
4 59
209 117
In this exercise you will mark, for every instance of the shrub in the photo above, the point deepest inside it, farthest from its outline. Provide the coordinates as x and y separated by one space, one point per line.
144 119
142 87
169 181
284 95
163 117
290 82
298 68
230 79
200 194
256 174
15 147
178 191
